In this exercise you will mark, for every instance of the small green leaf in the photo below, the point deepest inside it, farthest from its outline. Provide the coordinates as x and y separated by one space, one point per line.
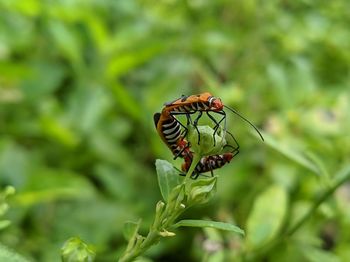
130 229
207 223
168 177
10 256
76 250
267 216
200 191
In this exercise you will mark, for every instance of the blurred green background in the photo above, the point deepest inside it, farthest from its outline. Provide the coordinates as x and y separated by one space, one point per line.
79 84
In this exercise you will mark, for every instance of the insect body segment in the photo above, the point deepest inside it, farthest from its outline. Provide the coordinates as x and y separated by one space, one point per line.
169 129
208 164
188 105
195 103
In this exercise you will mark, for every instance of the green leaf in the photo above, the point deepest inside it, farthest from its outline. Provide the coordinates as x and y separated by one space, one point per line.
207 223
200 191
10 256
168 177
130 229
267 216
76 250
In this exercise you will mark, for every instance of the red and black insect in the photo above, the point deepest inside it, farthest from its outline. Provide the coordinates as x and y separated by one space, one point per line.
170 129
207 164
205 102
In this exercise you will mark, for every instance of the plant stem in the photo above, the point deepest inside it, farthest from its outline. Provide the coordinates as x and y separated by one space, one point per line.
195 161
322 199
153 236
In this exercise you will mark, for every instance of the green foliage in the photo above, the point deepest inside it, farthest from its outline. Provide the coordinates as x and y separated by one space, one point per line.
168 177
75 250
80 81
9 190
178 198
10 256
266 217
211 224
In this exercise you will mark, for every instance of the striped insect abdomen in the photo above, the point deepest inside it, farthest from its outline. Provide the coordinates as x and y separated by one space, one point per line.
169 130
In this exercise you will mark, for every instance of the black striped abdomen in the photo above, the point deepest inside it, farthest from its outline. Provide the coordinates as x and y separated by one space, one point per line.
192 107
171 130
210 163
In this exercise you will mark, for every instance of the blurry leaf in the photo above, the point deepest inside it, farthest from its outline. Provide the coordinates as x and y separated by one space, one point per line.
67 41
89 104
212 224
44 80
115 182
14 164
124 62
290 153
10 256
28 8
75 250
126 101
4 223
320 165
143 259
313 254
213 234
130 229
50 185
267 216
217 256
4 194
9 190
59 131
168 177
342 173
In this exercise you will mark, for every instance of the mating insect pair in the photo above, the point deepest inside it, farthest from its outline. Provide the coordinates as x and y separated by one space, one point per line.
169 129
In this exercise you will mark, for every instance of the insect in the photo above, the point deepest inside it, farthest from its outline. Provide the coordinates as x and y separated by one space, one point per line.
208 163
169 129
170 132
205 102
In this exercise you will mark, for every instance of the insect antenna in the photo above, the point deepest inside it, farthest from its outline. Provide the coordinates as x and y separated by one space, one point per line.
245 119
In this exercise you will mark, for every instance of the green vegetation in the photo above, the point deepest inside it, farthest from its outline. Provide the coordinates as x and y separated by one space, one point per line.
80 81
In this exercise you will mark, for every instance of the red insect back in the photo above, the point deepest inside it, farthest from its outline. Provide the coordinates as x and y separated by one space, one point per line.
200 102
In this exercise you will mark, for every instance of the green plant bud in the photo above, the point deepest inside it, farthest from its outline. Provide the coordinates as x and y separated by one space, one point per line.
200 191
75 250
159 213
166 233
207 144
160 207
